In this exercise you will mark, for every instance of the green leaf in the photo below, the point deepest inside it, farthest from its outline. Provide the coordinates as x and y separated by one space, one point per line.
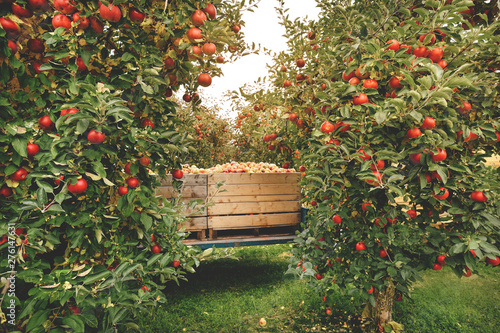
19 145
154 259
146 220
96 277
38 318
492 219
127 56
380 117
458 248
74 322
82 126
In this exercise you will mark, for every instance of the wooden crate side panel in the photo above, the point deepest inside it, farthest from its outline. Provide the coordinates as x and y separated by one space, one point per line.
256 198
254 189
254 178
186 192
195 224
199 179
493 161
254 207
253 221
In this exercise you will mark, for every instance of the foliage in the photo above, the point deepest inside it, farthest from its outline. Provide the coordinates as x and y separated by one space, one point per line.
405 213
94 101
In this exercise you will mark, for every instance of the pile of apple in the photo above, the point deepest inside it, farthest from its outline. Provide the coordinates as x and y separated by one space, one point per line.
239 167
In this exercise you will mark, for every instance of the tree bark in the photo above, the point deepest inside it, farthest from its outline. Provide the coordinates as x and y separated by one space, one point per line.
381 314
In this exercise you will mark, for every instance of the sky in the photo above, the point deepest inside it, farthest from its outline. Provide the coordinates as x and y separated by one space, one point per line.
261 27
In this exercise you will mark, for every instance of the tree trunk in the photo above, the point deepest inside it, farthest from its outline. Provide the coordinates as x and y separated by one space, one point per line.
381 314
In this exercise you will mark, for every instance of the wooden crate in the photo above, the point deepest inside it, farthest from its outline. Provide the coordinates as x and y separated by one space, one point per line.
253 201
194 187
246 201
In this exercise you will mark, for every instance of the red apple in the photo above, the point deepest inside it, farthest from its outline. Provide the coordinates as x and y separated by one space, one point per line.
122 190
327 127
45 123
198 18
64 6
360 99
144 160
336 219
412 213
369 84
204 80
441 259
13 47
21 12
83 22
79 187
146 122
156 249
301 63
10 27
61 20
132 182
96 137
478 196
415 158
96 25
437 267
440 156
177 174
19 175
359 75
493 262
209 48
394 83
176 263
360 246
443 196
394 45
32 149
413 133
194 33
428 123
136 16
436 54
5 191
110 13
210 10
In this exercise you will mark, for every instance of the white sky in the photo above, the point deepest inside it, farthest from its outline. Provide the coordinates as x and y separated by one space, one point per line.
261 27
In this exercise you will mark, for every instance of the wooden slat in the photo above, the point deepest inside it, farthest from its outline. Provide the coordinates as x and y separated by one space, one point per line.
493 161
186 192
196 224
254 207
254 189
187 180
254 178
256 198
253 221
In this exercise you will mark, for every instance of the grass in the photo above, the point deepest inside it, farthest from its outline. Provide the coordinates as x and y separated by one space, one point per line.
231 296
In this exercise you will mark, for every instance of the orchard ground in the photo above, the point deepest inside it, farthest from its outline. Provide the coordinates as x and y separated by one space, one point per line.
231 295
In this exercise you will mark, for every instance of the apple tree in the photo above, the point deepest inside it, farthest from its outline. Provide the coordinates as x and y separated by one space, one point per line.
400 101
87 130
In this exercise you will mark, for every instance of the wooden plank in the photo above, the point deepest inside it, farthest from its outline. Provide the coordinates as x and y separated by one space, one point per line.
195 224
187 180
256 198
254 189
186 192
493 161
254 207
253 221
254 178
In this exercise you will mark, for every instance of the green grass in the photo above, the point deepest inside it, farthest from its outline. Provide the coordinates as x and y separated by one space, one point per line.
231 296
